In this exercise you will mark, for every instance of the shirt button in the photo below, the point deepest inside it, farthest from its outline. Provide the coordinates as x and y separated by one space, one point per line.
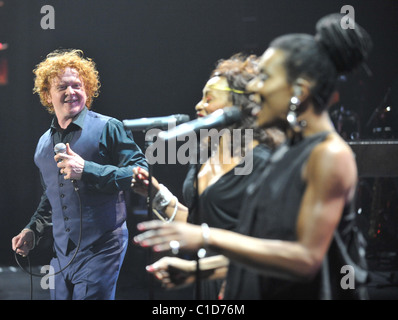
62 196
67 229
61 184
64 207
66 218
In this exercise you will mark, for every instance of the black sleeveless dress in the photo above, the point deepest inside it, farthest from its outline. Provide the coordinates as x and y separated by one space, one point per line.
220 203
270 211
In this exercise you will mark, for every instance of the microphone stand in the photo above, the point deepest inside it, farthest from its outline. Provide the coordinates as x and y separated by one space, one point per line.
148 143
198 293
199 218
195 205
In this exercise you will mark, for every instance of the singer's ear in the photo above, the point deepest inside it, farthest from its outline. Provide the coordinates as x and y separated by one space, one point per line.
48 97
301 89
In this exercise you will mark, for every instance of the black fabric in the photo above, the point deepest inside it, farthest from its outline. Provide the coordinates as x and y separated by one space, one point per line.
219 204
270 211
348 248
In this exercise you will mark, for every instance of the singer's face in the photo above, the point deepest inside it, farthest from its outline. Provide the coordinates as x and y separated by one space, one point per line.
67 95
214 97
271 88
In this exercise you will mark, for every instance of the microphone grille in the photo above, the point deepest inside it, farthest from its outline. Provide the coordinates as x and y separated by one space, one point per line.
182 118
232 114
60 148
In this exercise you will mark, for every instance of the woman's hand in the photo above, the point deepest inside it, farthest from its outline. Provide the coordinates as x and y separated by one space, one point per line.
173 236
173 272
140 182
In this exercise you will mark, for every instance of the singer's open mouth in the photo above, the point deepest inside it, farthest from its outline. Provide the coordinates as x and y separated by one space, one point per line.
71 101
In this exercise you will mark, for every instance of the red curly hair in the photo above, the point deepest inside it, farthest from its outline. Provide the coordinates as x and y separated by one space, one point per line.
55 63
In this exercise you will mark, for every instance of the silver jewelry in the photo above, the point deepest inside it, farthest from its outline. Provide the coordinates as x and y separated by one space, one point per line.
175 246
205 234
292 113
174 212
162 198
159 215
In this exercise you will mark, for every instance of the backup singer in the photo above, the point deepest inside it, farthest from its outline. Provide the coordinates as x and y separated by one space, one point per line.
219 189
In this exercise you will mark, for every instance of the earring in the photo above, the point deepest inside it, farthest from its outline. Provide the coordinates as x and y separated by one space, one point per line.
255 110
292 114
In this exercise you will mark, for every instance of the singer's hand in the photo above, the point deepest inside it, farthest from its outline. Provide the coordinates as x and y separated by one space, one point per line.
23 242
70 163
140 182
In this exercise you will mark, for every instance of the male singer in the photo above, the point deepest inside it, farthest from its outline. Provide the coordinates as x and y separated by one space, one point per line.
86 181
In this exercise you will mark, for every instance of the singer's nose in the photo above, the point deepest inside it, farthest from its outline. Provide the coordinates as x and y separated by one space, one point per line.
69 90
199 106
202 107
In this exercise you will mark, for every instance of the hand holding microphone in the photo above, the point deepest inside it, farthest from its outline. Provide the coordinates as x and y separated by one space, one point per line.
23 242
70 163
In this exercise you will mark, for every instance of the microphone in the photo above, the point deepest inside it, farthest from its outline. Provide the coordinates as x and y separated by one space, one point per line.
155 122
219 118
61 148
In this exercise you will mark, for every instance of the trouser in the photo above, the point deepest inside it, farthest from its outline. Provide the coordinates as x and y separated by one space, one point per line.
94 271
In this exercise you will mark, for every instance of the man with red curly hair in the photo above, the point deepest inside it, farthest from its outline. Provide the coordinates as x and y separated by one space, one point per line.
83 199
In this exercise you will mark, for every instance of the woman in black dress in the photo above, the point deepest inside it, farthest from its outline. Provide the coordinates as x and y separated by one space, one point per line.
219 195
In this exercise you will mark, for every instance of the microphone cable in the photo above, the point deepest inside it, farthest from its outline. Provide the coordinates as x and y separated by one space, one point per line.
31 274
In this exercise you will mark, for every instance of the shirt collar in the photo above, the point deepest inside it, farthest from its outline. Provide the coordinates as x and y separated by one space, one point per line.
78 120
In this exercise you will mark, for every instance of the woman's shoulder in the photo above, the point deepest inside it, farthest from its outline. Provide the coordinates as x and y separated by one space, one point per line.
334 146
333 158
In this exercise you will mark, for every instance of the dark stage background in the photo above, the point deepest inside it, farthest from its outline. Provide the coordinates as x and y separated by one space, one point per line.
154 57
